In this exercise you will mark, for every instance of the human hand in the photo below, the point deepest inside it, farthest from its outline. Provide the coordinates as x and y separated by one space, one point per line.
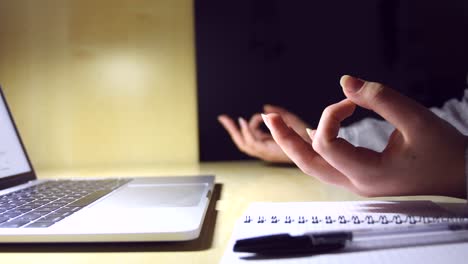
424 155
253 141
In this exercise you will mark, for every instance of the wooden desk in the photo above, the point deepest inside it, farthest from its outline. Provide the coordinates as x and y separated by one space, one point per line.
240 183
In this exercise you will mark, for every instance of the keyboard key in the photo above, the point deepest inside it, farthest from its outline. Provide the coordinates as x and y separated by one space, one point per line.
8 207
12 214
71 208
4 209
51 218
21 210
3 219
39 224
45 209
30 216
14 223
90 198
27 207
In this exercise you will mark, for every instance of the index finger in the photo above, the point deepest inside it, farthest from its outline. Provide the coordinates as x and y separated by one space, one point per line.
354 162
254 125
302 154
233 130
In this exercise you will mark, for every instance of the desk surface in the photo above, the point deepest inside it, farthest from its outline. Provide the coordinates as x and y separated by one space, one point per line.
240 184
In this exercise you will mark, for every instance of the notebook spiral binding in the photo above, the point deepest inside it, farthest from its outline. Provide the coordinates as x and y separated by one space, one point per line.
354 219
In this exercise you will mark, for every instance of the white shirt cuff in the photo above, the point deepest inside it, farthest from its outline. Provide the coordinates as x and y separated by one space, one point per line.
466 171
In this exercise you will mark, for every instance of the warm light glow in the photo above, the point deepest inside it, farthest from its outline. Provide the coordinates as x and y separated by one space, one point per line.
124 73
101 83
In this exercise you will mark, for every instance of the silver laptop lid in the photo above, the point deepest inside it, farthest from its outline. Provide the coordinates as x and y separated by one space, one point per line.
15 166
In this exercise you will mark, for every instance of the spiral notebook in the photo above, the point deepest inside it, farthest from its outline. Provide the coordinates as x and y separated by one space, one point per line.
297 218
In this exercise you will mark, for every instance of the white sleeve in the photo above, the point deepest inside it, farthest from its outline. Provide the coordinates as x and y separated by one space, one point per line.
466 171
369 133
455 112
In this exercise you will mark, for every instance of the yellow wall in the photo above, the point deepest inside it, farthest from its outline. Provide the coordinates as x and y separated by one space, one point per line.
101 83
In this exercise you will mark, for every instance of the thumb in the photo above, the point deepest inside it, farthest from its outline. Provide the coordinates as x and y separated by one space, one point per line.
401 111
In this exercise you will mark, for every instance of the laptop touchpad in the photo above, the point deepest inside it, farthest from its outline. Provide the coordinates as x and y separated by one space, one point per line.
158 195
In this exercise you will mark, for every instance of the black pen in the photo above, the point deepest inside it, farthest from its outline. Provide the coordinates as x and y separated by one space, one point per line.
359 239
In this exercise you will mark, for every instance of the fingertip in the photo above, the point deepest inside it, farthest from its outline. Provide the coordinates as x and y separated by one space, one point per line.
265 120
272 117
256 115
276 124
343 80
311 133
221 117
351 84
224 120
273 120
269 108
241 120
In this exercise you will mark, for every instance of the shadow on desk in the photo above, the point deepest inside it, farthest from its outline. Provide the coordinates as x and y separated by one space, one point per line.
203 242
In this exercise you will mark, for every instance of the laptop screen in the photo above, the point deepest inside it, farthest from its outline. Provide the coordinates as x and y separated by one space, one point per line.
13 159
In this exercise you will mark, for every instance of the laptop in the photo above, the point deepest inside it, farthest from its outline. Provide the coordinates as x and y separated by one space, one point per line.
93 210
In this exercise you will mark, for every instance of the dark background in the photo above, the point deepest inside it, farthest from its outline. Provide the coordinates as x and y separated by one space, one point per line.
292 53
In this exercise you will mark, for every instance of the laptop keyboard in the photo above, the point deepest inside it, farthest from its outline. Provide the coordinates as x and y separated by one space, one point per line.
47 203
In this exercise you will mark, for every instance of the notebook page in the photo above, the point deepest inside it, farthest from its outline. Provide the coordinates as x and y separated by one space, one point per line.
297 218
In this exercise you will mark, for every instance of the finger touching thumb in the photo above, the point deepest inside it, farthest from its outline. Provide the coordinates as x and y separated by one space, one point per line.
396 108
